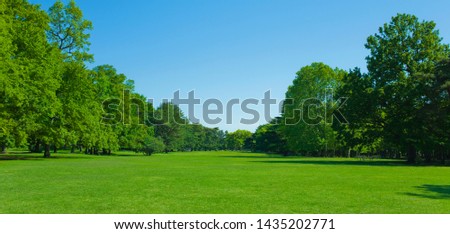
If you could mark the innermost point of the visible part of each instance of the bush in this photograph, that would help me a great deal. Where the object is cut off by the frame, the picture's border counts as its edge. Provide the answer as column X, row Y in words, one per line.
column 152, row 145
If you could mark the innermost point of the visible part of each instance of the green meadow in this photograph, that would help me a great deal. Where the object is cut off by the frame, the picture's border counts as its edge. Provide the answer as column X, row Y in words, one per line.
column 217, row 182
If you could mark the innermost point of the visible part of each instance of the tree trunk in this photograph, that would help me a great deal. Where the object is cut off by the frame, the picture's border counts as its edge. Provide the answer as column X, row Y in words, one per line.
column 55, row 149
column 411, row 154
column 37, row 147
column 47, row 151
column 428, row 156
column 3, row 149
column 443, row 156
column 72, row 149
column 398, row 154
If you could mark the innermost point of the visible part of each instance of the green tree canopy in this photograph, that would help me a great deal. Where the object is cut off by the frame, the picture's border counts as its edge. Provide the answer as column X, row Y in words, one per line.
column 305, row 111
column 400, row 50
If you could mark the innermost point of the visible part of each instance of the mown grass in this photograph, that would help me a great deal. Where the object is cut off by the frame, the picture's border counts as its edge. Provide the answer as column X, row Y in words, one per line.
column 217, row 182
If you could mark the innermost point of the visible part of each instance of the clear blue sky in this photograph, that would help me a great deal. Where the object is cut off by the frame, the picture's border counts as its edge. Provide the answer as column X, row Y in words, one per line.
column 236, row 48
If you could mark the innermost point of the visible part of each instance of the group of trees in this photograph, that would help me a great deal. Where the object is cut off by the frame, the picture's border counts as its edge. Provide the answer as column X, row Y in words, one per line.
column 178, row 134
column 49, row 99
column 399, row 108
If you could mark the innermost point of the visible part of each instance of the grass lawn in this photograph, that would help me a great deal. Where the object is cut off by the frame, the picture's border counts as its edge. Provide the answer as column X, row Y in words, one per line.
column 217, row 182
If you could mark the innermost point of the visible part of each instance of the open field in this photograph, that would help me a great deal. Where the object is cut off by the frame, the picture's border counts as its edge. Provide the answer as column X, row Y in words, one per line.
column 217, row 182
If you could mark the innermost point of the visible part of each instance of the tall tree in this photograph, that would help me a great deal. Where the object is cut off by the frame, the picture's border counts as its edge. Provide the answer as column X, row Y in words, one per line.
column 110, row 87
column 80, row 113
column 8, row 93
column 34, row 74
column 433, row 112
column 307, row 125
column 400, row 50
column 81, row 109
column 362, row 133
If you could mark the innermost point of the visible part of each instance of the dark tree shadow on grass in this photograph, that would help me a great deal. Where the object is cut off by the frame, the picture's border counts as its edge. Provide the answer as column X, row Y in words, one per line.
column 18, row 157
column 26, row 155
column 262, row 156
column 33, row 156
column 338, row 163
column 431, row 191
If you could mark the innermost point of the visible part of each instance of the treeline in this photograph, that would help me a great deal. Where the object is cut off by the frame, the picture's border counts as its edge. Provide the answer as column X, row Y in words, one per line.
column 50, row 100
column 399, row 108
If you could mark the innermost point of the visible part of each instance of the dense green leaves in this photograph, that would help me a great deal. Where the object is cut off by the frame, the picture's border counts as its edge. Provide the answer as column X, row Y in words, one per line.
column 31, row 76
column 307, row 126
column 400, row 51
column 239, row 140
column 68, row 31
column 270, row 138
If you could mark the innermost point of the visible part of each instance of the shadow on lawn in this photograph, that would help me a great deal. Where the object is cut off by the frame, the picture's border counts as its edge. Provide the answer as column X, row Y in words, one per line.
column 253, row 157
column 17, row 157
column 26, row 155
column 32, row 156
column 432, row 191
column 338, row 163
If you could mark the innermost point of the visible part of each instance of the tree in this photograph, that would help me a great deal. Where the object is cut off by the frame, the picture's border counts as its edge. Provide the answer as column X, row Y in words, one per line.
column 152, row 145
column 236, row 140
column 67, row 31
column 168, row 120
column 306, row 127
column 434, row 113
column 128, row 128
column 33, row 74
column 213, row 139
column 269, row 138
column 8, row 91
column 362, row 133
column 400, row 50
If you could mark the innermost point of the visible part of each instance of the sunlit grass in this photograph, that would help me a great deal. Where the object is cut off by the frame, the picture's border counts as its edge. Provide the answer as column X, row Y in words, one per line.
column 217, row 182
